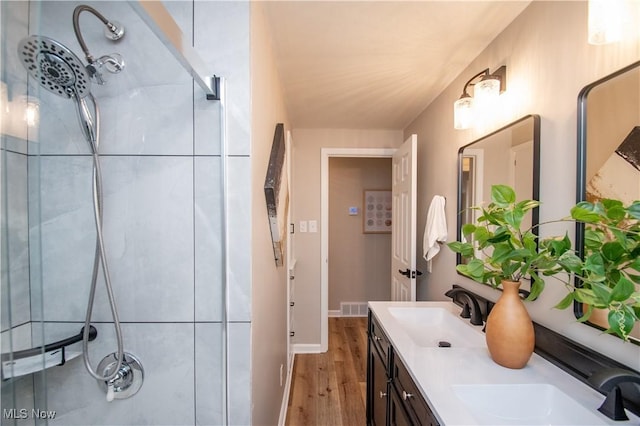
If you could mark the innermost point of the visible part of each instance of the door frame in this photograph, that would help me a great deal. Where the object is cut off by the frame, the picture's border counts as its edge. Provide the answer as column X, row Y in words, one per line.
column 327, row 153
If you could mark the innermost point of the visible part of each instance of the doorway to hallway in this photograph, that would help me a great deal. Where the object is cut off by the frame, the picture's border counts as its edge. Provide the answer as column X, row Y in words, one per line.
column 359, row 242
column 326, row 155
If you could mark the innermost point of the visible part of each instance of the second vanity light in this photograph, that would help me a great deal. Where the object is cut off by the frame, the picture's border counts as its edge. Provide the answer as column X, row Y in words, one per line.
column 487, row 87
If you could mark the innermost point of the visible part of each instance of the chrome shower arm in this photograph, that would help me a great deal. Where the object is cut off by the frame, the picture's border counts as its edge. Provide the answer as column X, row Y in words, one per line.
column 115, row 32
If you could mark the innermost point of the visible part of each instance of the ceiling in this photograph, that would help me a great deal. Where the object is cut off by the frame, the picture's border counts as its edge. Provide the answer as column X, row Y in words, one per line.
column 376, row 64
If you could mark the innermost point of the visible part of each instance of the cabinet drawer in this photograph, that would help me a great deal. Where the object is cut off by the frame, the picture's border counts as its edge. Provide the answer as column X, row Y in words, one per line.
column 379, row 339
column 415, row 405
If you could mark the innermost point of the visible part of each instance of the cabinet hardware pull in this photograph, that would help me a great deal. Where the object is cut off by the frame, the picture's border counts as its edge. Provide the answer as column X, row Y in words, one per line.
column 382, row 394
column 406, row 395
column 376, row 338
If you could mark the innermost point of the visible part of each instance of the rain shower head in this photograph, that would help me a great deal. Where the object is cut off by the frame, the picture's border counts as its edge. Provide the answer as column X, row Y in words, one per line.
column 56, row 68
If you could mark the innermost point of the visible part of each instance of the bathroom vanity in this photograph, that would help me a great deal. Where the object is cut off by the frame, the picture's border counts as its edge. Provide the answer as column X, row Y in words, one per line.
column 428, row 366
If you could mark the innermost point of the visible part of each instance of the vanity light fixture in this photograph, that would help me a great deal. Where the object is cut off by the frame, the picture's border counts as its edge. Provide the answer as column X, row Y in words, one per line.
column 487, row 87
column 605, row 21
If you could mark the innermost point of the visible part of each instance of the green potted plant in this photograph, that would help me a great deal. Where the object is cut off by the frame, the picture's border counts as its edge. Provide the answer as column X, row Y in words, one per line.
column 501, row 252
column 609, row 276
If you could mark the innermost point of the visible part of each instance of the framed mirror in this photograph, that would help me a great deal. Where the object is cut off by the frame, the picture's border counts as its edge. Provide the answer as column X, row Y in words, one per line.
column 508, row 156
column 608, row 152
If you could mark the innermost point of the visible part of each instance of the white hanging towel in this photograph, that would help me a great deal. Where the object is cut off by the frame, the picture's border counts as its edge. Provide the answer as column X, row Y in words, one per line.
column 435, row 231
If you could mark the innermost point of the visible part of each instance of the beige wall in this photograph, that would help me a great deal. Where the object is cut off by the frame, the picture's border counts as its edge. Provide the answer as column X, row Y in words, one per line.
column 269, row 296
column 548, row 62
column 306, row 206
column 359, row 263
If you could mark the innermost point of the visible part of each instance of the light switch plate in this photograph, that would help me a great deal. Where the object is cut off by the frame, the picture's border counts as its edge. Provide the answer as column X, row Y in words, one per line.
column 303, row 226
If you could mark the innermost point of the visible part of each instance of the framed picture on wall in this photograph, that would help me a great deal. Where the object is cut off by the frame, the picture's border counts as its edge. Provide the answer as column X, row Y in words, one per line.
column 376, row 211
column 276, row 193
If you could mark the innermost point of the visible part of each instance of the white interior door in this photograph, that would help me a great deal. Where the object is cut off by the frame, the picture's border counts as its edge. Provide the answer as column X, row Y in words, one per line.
column 403, row 229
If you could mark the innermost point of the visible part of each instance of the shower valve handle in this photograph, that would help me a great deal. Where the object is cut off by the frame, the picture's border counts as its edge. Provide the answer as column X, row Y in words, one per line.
column 110, row 392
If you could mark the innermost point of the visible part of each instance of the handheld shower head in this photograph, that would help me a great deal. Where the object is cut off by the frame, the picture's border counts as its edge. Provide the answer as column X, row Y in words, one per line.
column 56, row 68
column 59, row 70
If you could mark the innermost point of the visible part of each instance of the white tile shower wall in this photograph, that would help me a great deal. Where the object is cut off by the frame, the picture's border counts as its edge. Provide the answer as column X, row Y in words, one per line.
column 161, row 218
column 145, row 109
column 221, row 35
column 208, row 239
column 222, row 38
column 166, row 397
column 239, row 229
column 209, row 368
column 15, row 274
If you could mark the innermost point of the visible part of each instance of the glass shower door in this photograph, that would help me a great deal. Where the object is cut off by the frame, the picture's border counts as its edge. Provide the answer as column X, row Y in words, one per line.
column 161, row 151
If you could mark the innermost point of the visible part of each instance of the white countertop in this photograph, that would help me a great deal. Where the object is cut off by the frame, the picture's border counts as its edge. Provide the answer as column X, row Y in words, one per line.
column 436, row 370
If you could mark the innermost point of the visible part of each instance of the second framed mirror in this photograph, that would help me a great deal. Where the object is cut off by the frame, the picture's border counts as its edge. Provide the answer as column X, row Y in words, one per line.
column 508, row 156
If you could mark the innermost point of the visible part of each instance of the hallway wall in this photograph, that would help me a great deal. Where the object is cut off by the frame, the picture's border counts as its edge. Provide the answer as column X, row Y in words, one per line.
column 269, row 303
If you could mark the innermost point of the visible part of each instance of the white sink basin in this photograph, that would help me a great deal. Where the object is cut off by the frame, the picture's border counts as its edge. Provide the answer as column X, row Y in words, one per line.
column 428, row 326
column 523, row 404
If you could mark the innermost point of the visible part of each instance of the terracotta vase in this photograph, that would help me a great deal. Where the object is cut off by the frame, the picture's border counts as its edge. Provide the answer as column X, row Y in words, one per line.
column 509, row 333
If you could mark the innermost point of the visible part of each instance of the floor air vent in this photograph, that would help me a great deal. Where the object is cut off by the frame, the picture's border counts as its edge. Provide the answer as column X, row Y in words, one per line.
column 353, row 309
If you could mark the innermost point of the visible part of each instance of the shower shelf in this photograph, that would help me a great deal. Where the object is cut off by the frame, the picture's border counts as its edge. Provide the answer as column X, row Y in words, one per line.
column 29, row 361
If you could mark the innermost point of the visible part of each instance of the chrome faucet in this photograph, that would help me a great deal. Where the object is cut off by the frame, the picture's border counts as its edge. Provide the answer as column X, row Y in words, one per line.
column 608, row 381
column 476, row 313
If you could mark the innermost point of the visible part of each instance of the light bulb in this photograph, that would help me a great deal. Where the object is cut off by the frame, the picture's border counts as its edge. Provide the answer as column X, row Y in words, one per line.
column 486, row 91
column 605, row 21
column 463, row 113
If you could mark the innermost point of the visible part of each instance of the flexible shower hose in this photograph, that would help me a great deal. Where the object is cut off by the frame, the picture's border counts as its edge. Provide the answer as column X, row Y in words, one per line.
column 91, row 132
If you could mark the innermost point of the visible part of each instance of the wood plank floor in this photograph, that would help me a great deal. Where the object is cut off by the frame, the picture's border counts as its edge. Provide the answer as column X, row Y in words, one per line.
column 330, row 388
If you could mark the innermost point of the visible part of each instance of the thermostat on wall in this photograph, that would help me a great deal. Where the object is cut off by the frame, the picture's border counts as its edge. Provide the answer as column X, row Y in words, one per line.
column 353, row 211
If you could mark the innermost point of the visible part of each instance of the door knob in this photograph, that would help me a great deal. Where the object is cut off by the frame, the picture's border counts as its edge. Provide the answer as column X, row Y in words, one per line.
column 382, row 394
column 406, row 273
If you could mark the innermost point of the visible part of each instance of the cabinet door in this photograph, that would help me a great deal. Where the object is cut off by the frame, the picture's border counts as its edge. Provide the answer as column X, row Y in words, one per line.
column 416, row 407
column 397, row 414
column 377, row 389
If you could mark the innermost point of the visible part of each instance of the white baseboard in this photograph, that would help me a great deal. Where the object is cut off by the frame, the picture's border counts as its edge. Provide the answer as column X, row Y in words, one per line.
column 307, row 348
column 334, row 313
column 287, row 390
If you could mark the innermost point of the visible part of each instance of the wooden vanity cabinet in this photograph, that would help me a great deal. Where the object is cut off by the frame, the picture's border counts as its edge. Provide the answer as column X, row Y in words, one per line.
column 392, row 396
column 378, row 356
column 412, row 401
